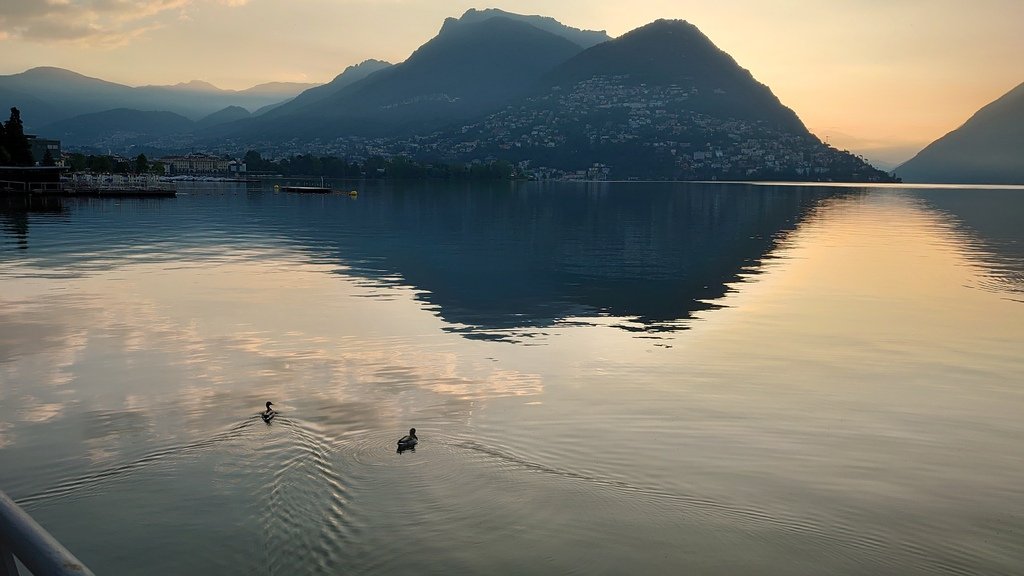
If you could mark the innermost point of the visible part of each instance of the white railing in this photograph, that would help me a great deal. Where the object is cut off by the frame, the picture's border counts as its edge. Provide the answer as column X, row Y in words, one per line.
column 22, row 538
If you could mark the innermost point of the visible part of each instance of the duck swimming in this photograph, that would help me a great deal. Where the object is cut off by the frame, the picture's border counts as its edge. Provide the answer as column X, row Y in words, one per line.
column 409, row 441
column 269, row 413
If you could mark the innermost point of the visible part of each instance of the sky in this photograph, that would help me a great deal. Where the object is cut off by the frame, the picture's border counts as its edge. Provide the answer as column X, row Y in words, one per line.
column 879, row 77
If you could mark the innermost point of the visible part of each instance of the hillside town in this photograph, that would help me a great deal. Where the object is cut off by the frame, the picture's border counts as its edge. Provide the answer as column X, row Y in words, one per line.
column 602, row 128
column 609, row 128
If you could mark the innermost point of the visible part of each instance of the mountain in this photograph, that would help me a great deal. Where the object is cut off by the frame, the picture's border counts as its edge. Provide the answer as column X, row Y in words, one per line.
column 229, row 114
column 46, row 95
column 583, row 38
column 278, row 89
column 464, row 71
column 191, row 86
column 675, row 52
column 197, row 99
column 117, row 129
column 661, row 102
column 57, row 94
column 121, row 129
column 350, row 75
column 987, row 149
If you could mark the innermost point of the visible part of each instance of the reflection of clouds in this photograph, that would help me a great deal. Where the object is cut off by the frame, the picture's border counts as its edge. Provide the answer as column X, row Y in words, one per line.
column 146, row 345
column 110, row 423
column 99, row 454
column 5, row 437
column 23, row 332
column 36, row 343
column 106, row 431
column 387, row 362
column 37, row 412
column 498, row 383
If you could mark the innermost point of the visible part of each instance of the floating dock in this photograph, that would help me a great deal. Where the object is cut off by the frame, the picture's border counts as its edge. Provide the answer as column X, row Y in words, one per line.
column 117, row 186
column 308, row 189
column 315, row 190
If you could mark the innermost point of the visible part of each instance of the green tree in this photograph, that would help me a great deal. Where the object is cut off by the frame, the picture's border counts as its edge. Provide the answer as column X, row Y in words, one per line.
column 253, row 161
column 141, row 164
column 48, row 159
column 16, row 142
column 77, row 162
column 100, row 164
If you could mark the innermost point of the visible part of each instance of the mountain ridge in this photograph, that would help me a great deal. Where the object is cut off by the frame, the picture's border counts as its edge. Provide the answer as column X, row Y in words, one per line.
column 117, row 128
column 583, row 38
column 48, row 94
column 661, row 101
column 347, row 77
column 986, row 149
column 461, row 72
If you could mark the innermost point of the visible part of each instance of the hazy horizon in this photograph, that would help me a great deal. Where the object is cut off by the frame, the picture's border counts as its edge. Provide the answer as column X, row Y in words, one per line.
column 881, row 80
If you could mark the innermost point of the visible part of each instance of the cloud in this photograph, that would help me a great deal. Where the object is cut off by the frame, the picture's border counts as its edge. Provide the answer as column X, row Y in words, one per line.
column 103, row 23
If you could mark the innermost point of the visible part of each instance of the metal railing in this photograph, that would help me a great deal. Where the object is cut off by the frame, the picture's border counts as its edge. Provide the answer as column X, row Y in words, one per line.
column 22, row 187
column 22, row 538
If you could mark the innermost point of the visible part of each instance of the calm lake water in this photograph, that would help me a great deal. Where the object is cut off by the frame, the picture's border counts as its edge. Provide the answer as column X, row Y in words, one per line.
column 605, row 378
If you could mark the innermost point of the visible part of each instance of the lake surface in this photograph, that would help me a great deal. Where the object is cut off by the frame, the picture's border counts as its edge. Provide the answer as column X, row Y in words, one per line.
column 605, row 379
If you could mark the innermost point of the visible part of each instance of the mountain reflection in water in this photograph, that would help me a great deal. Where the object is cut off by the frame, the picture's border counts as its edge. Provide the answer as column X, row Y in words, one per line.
column 496, row 261
column 502, row 261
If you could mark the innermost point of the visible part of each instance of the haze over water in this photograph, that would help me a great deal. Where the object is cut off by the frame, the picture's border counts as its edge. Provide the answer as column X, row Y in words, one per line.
column 605, row 379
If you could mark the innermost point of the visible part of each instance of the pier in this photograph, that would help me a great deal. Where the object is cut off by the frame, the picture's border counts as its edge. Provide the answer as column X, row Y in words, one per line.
column 50, row 181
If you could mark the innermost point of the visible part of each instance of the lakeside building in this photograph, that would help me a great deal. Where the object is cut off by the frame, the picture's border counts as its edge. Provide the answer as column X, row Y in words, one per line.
column 195, row 163
column 40, row 146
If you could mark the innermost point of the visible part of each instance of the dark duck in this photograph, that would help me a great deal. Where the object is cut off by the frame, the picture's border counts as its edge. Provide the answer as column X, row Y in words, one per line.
column 409, row 441
column 269, row 413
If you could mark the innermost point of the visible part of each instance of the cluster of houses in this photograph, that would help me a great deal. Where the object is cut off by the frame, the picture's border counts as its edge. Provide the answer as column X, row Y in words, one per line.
column 608, row 118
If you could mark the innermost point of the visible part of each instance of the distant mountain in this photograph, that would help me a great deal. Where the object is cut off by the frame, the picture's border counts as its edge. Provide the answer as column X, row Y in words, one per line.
column 583, row 38
column 349, row 76
column 201, row 96
column 46, row 95
column 464, row 71
column 229, row 114
column 30, row 107
column 191, row 86
column 987, row 149
column 122, row 128
column 118, row 128
column 279, row 89
column 57, row 94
